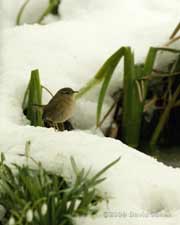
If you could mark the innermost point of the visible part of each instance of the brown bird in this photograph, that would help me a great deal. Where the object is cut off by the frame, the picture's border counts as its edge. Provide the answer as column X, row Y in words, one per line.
column 60, row 108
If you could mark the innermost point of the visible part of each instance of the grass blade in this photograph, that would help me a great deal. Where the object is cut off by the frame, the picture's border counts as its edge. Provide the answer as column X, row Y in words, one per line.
column 102, row 73
column 94, row 179
column 34, row 97
column 108, row 72
column 52, row 7
column 18, row 19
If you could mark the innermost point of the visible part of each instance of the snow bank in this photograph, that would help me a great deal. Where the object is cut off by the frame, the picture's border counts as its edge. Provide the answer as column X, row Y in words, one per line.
column 138, row 187
column 68, row 53
column 138, row 10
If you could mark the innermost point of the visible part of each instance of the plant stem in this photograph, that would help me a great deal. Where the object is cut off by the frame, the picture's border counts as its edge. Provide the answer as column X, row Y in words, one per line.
column 18, row 19
column 25, row 97
column 157, row 76
column 164, row 117
column 45, row 88
column 132, row 104
column 175, row 31
column 45, row 13
column 172, row 41
column 34, row 97
column 104, row 72
column 167, row 49
column 93, row 82
column 107, row 114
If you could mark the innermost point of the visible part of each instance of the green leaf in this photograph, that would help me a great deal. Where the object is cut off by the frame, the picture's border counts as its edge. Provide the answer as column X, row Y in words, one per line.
column 18, row 19
column 107, row 69
column 34, row 97
column 2, row 157
column 107, row 72
column 28, row 189
column 104, row 170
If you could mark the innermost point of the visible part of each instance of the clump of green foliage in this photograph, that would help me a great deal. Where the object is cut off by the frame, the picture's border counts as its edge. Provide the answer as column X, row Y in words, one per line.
column 135, row 89
column 35, row 196
column 135, row 98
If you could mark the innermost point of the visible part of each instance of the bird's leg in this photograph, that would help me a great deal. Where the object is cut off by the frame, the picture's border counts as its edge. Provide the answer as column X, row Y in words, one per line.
column 61, row 126
column 55, row 125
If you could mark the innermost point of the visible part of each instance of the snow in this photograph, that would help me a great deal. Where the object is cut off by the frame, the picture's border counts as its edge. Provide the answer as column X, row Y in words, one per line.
column 69, row 53
column 10, row 9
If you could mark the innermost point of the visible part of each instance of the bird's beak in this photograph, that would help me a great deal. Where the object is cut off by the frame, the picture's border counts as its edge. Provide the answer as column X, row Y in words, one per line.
column 76, row 91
